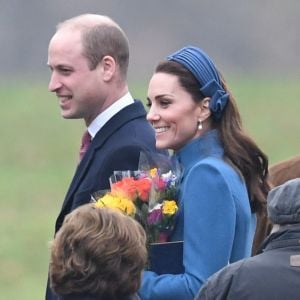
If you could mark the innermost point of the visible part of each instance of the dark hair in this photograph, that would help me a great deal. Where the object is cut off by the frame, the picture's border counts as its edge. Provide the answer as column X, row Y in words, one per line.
column 106, row 39
column 98, row 252
column 239, row 148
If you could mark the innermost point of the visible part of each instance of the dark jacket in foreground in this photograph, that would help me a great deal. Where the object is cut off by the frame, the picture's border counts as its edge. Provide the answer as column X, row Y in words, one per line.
column 271, row 275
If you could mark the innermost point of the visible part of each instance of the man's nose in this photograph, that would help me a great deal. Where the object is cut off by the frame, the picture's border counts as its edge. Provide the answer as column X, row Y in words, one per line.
column 54, row 83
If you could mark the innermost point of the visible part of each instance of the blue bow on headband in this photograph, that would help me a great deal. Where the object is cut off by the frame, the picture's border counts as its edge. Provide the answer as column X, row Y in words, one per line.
column 202, row 67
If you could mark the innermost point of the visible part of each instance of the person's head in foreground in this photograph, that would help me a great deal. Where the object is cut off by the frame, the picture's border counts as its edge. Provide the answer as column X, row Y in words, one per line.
column 187, row 99
column 98, row 252
column 284, row 204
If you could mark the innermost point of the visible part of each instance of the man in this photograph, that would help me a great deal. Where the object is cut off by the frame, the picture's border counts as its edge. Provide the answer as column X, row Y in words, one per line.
column 88, row 57
column 274, row 273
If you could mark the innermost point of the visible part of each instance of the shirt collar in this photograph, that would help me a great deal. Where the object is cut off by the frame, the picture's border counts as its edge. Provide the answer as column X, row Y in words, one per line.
column 107, row 114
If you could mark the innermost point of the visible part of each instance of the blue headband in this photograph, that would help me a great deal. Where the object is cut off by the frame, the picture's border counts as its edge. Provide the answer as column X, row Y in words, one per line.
column 202, row 67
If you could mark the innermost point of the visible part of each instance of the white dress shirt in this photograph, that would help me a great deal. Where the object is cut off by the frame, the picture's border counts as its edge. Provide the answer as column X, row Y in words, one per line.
column 107, row 114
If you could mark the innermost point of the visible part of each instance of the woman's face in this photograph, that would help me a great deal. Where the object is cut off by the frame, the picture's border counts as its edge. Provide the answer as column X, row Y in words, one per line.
column 172, row 112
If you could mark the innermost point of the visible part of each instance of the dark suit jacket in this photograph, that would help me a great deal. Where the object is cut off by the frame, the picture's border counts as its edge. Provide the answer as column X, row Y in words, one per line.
column 116, row 146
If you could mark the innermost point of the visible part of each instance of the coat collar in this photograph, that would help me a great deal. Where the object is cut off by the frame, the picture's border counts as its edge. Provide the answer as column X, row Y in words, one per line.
column 285, row 237
column 206, row 145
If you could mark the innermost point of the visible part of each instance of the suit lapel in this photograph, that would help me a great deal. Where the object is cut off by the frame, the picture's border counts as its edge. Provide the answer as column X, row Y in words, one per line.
column 130, row 112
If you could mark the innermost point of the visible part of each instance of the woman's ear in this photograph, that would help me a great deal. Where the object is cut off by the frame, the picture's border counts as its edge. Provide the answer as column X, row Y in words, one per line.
column 108, row 68
column 204, row 109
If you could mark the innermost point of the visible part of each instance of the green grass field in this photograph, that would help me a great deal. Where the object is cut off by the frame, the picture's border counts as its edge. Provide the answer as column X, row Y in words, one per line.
column 39, row 153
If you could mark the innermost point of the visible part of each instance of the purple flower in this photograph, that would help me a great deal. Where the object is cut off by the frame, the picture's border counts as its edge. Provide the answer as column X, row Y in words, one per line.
column 155, row 215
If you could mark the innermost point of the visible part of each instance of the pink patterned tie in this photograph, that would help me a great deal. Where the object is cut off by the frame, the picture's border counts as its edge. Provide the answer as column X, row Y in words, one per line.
column 85, row 143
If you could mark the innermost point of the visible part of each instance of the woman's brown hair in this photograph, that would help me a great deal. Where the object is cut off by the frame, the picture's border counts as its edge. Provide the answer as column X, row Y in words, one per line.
column 239, row 149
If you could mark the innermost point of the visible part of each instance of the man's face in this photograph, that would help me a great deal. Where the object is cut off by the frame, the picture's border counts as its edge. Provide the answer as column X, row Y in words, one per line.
column 80, row 91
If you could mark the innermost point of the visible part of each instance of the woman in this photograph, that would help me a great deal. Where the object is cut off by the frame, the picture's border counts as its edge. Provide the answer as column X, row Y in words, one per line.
column 98, row 254
column 224, row 172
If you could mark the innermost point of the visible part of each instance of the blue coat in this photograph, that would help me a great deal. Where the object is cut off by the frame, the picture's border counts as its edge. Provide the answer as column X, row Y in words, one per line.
column 116, row 146
column 215, row 220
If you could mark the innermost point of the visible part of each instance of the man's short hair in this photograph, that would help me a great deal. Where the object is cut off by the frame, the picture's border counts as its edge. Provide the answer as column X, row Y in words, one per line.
column 101, row 36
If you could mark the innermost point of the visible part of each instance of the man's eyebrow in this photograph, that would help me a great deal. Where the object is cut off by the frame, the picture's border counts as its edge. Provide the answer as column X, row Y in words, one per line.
column 59, row 66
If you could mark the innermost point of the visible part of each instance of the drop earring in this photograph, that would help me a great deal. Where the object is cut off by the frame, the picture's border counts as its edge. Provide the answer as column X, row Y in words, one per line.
column 200, row 125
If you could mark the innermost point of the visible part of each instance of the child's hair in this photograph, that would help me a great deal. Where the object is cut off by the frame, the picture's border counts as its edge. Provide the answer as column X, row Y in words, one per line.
column 99, row 252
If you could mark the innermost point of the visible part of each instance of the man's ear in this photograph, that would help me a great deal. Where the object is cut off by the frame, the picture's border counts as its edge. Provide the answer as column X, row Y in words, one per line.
column 108, row 67
column 204, row 109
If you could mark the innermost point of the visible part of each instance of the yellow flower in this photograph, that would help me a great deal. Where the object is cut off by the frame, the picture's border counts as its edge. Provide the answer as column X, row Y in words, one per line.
column 153, row 172
column 118, row 202
column 169, row 207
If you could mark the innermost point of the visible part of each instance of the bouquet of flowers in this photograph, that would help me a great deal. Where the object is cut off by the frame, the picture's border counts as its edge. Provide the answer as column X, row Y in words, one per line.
column 162, row 205
column 148, row 194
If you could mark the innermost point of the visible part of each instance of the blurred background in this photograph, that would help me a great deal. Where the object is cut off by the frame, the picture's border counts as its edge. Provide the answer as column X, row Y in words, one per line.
column 258, row 36
column 255, row 44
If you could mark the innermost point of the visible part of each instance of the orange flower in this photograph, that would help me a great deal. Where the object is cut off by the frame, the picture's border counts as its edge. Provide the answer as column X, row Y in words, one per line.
column 132, row 188
column 125, row 187
column 143, row 186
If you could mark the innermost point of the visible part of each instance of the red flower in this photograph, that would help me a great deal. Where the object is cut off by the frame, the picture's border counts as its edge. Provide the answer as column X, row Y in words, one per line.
column 133, row 188
column 125, row 187
column 143, row 186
